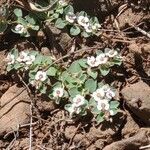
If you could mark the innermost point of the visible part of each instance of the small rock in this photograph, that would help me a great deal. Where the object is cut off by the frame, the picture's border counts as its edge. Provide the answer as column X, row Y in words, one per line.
column 14, row 109
column 137, row 97
column 132, row 143
column 130, row 128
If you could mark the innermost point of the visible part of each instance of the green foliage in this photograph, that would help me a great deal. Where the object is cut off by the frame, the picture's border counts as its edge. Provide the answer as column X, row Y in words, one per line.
column 3, row 18
column 60, row 23
column 24, row 25
column 75, row 30
column 78, row 84
column 74, row 83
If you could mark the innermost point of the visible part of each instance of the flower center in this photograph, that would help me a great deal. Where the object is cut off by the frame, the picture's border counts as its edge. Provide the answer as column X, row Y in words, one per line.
column 58, row 92
column 40, row 76
column 98, row 95
column 103, row 106
column 78, row 101
column 21, row 56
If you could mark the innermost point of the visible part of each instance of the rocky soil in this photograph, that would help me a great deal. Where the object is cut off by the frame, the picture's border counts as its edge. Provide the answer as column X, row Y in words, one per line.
column 52, row 129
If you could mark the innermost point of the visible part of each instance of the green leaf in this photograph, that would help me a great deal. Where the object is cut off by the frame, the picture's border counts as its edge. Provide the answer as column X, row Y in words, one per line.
column 92, row 73
column 73, row 92
column 85, row 34
column 51, row 71
column 82, row 13
column 94, row 20
column 43, row 89
column 36, row 28
column 68, row 9
column 92, row 102
column 47, row 60
column 100, row 118
column 17, row 66
column 83, row 63
column 114, row 104
column 9, row 68
column 75, row 67
column 30, row 18
column 91, row 85
column 57, row 84
column 95, row 110
column 60, row 10
column 3, row 26
column 117, row 61
column 38, row 59
column 83, row 77
column 98, row 52
column 101, row 84
column 22, row 21
column 54, row 16
column 18, row 12
column 14, row 51
column 60, row 23
column 32, row 75
column 104, row 70
column 75, row 30
column 64, row 76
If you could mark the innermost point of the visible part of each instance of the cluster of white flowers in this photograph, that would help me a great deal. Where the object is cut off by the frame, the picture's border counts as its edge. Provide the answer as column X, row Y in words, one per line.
column 103, row 96
column 82, row 21
column 102, row 58
column 78, row 102
column 23, row 58
column 85, row 23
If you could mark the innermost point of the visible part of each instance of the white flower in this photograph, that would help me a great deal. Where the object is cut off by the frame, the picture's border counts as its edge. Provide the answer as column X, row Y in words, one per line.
column 62, row 2
column 111, row 53
column 10, row 59
column 41, row 75
column 20, row 29
column 83, row 21
column 70, row 17
column 58, row 92
column 98, row 94
column 101, row 59
column 110, row 94
column 74, row 109
column 91, row 61
column 88, row 29
column 30, row 59
column 22, row 57
column 103, row 104
column 96, row 26
column 78, row 100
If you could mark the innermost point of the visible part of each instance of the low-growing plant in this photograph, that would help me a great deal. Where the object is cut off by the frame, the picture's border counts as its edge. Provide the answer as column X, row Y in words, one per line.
column 78, row 84
column 24, row 25
column 80, row 23
column 62, row 16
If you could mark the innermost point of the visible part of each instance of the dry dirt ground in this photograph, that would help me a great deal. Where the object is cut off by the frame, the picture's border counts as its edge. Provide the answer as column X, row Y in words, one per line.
column 51, row 127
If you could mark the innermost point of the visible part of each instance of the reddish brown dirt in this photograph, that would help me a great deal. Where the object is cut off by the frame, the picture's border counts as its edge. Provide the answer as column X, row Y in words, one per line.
column 52, row 127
